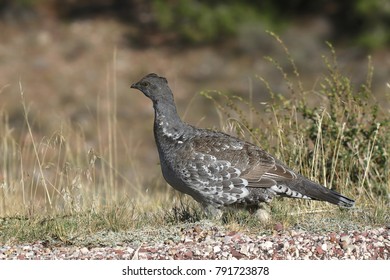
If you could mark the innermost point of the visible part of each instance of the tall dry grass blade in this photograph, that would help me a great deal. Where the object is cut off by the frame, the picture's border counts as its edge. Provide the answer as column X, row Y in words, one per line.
column 115, row 110
column 110, row 135
column 369, row 157
column 292, row 62
column 43, row 178
column 336, row 152
column 318, row 148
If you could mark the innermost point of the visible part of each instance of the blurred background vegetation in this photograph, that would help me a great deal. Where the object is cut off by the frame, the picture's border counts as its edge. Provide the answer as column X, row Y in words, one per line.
column 362, row 22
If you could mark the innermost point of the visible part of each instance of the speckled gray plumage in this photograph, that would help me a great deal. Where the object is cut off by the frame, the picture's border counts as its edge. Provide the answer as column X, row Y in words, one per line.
column 217, row 169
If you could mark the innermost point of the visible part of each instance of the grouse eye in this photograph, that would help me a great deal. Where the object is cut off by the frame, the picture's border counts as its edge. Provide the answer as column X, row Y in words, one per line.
column 144, row 84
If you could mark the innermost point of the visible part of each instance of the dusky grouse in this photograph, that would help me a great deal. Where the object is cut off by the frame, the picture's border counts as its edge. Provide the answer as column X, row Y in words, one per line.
column 217, row 169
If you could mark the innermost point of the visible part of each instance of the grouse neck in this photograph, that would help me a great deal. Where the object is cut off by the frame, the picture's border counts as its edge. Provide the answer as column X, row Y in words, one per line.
column 167, row 122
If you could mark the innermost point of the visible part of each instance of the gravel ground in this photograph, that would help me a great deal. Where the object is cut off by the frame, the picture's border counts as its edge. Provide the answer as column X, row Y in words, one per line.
column 204, row 241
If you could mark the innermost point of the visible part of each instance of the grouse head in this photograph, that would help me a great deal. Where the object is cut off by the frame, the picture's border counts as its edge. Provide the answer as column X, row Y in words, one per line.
column 154, row 87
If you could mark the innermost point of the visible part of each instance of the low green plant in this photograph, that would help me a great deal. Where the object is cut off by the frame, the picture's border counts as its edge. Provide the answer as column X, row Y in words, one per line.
column 201, row 22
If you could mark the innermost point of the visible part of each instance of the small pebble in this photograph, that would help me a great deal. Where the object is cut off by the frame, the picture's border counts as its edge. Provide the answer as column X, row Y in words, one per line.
column 244, row 249
column 84, row 250
column 267, row 245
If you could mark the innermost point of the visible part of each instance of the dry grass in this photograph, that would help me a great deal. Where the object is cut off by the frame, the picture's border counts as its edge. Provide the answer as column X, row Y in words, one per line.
column 58, row 188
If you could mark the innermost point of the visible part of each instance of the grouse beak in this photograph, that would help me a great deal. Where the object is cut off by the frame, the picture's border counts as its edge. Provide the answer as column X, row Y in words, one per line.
column 135, row 85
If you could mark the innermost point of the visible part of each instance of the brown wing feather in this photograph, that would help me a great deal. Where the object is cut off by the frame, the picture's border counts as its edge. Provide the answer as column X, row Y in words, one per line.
column 252, row 161
column 260, row 177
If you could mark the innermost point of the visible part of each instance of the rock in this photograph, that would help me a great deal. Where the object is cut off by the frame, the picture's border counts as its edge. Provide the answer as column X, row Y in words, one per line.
column 227, row 239
column 188, row 240
column 278, row 227
column 345, row 241
column 30, row 254
column 244, row 249
column 332, row 237
column 188, row 254
column 27, row 248
column 236, row 254
column 197, row 252
column 216, row 249
column 84, row 250
column 319, row 250
column 350, row 249
column 130, row 250
column 263, row 215
column 267, row 245
column 286, row 245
